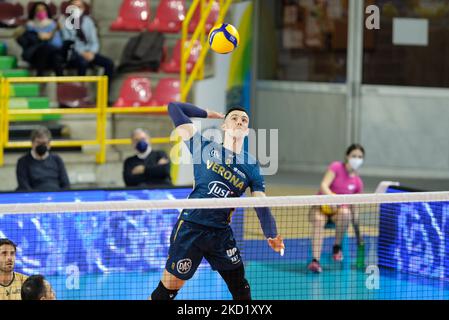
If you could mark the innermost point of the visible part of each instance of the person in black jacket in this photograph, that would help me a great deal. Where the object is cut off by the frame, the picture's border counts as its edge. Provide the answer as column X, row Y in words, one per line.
column 40, row 170
column 41, row 41
column 148, row 167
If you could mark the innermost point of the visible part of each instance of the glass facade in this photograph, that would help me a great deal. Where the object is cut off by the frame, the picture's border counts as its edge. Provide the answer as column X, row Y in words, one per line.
column 412, row 45
column 306, row 39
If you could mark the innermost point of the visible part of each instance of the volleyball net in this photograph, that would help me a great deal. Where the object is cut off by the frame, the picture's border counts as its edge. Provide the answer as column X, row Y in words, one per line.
column 394, row 246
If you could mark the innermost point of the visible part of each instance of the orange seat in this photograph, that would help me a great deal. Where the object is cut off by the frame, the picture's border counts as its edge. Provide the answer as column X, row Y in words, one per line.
column 169, row 16
column 211, row 19
column 168, row 89
column 73, row 95
column 11, row 14
column 174, row 64
column 133, row 16
column 135, row 92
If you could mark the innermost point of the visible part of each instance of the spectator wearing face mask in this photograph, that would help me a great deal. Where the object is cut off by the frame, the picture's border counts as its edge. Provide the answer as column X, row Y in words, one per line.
column 41, row 42
column 40, row 170
column 148, row 167
column 86, row 43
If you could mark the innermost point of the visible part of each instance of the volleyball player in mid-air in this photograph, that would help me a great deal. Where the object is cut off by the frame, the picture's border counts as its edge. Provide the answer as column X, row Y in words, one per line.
column 219, row 171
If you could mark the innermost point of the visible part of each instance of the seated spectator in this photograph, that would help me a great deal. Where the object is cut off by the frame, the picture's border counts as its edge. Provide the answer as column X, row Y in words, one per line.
column 41, row 41
column 37, row 288
column 148, row 167
column 86, row 44
column 10, row 281
column 40, row 170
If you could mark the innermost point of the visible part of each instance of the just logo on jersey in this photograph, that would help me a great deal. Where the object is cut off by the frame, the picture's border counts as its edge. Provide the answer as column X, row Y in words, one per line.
column 217, row 179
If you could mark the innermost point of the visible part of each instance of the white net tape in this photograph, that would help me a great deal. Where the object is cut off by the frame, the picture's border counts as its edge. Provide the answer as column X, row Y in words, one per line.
column 245, row 202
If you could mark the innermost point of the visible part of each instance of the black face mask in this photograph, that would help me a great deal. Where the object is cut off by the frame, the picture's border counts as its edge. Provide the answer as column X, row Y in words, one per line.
column 142, row 146
column 41, row 149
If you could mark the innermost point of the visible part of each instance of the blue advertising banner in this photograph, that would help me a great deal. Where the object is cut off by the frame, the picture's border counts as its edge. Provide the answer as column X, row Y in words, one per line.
column 414, row 237
column 95, row 242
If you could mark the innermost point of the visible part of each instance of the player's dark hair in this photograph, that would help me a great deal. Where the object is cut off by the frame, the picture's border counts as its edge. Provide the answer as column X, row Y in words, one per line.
column 7, row 242
column 355, row 146
column 33, row 288
column 33, row 10
column 235, row 109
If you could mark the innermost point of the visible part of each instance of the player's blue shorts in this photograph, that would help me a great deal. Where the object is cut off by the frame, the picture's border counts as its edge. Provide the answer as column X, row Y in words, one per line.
column 190, row 242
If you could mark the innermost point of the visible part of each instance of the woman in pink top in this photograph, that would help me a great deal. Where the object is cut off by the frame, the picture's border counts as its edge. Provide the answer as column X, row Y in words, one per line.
column 340, row 178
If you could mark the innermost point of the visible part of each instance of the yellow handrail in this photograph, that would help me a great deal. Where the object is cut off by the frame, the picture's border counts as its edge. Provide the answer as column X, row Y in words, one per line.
column 53, row 79
column 199, row 33
column 101, row 111
column 98, row 110
column 2, row 115
column 125, row 110
column 162, row 140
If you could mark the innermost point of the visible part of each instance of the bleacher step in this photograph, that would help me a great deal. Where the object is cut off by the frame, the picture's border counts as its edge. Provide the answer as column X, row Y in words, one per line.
column 7, row 62
column 31, row 103
column 2, row 49
column 21, row 90
column 9, row 73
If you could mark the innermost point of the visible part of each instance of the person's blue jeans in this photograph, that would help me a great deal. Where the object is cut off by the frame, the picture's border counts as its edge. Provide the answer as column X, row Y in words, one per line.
column 77, row 61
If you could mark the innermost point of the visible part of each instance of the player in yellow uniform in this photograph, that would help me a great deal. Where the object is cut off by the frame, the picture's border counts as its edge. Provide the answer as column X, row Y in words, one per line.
column 10, row 281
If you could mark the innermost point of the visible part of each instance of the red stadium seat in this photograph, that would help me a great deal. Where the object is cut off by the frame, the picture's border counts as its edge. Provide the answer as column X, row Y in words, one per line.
column 11, row 14
column 210, row 22
column 169, row 16
column 168, row 89
column 133, row 16
column 65, row 4
column 174, row 64
column 51, row 5
column 135, row 92
column 73, row 95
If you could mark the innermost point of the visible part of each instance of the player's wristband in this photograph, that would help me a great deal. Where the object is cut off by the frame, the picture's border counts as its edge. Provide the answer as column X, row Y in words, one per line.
column 181, row 113
column 267, row 222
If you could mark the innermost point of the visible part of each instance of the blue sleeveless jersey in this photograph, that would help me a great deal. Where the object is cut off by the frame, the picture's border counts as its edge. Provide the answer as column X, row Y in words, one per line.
column 219, row 173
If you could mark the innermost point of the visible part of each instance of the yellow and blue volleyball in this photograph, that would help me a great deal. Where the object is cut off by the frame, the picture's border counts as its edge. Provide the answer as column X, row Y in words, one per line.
column 327, row 210
column 224, row 38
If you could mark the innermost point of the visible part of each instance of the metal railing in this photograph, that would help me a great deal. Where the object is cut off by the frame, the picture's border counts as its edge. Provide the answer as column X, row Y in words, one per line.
column 199, row 34
column 101, row 112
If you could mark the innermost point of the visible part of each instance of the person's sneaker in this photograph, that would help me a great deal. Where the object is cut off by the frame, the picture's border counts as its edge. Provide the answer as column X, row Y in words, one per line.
column 315, row 266
column 337, row 253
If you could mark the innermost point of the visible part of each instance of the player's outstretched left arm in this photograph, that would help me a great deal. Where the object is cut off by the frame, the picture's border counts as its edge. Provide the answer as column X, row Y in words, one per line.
column 268, row 224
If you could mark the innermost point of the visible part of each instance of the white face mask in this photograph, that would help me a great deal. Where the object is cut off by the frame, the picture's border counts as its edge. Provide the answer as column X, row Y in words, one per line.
column 355, row 163
column 143, row 155
column 77, row 12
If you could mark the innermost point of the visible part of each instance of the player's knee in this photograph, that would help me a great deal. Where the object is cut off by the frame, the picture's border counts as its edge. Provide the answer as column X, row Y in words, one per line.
column 318, row 218
column 344, row 214
column 237, row 284
column 162, row 293
column 241, row 290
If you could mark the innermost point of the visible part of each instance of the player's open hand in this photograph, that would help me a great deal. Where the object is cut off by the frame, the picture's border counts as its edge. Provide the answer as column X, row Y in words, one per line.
column 277, row 244
column 214, row 115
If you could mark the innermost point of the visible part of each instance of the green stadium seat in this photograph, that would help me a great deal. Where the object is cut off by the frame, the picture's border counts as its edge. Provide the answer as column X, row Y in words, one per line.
column 21, row 90
column 9, row 73
column 31, row 103
column 7, row 62
column 2, row 49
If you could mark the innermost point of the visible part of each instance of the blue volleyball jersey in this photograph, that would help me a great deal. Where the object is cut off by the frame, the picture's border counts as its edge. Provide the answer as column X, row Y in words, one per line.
column 219, row 173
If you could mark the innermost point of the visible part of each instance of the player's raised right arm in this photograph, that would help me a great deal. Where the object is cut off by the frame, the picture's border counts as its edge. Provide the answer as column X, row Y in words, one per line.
column 181, row 113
